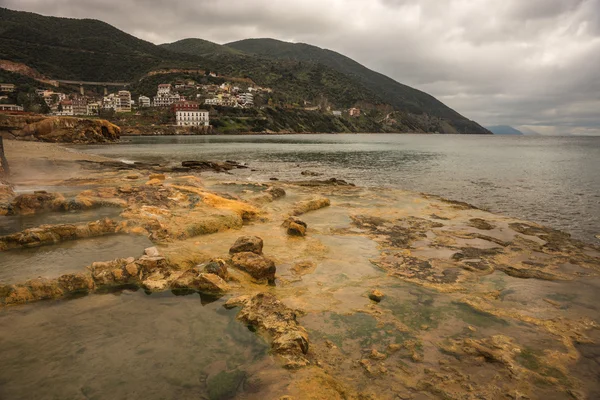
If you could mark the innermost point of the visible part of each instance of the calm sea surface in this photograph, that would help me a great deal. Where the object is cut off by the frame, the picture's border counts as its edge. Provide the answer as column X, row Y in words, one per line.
column 551, row 180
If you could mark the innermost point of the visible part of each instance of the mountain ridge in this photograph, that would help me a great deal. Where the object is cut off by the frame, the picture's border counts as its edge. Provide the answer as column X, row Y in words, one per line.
column 504, row 130
column 92, row 50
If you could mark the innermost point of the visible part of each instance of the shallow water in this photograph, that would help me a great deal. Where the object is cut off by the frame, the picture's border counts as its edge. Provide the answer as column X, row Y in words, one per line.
column 125, row 346
column 72, row 256
column 17, row 223
column 551, row 180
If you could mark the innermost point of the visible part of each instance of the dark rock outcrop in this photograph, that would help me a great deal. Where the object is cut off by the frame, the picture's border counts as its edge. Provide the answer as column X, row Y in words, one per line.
column 217, row 166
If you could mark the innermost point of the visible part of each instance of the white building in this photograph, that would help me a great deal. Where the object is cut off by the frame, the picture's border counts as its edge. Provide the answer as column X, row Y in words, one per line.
column 124, row 103
column 110, row 101
column 10, row 107
column 246, row 99
column 337, row 113
column 143, row 101
column 93, row 108
column 166, row 100
column 192, row 118
column 7, row 87
column 215, row 101
column 163, row 89
column 164, row 97
column 65, row 107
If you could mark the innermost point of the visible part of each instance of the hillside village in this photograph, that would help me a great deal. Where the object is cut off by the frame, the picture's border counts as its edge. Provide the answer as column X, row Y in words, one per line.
column 186, row 102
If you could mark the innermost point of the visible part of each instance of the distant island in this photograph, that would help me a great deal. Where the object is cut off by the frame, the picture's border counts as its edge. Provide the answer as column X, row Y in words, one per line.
column 503, row 130
column 66, row 66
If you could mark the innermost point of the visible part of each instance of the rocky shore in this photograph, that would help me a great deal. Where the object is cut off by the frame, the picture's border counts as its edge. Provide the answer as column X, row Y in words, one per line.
column 360, row 293
column 57, row 129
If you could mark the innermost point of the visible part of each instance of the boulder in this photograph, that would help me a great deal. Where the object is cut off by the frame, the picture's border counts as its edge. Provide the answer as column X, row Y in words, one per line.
column 258, row 266
column 193, row 279
column 252, row 244
column 376, row 295
column 217, row 267
column 212, row 283
column 295, row 226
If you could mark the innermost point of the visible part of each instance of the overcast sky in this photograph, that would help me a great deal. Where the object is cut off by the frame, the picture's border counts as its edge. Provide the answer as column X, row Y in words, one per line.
column 532, row 64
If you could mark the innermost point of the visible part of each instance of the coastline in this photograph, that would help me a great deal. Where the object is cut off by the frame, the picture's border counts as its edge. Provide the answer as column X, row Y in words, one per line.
column 458, row 288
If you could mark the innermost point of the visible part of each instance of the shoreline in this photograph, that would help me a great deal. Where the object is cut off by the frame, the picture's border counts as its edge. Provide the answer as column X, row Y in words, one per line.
column 354, row 284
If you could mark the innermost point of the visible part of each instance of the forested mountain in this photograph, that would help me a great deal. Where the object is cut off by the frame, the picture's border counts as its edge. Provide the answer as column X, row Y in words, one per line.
column 91, row 50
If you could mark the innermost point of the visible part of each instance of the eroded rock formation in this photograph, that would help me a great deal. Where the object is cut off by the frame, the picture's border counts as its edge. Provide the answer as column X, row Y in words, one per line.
column 58, row 129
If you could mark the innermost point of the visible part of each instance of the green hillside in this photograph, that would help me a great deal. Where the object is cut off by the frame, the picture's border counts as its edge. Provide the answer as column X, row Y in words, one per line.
column 81, row 49
column 73, row 49
column 400, row 96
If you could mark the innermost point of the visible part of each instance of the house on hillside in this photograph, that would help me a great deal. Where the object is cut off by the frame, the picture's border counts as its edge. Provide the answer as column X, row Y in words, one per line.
column 79, row 105
column 247, row 99
column 93, row 108
column 65, row 107
column 354, row 112
column 163, row 89
column 10, row 107
column 143, row 101
column 337, row 113
column 124, row 104
column 164, row 97
column 188, row 114
column 7, row 87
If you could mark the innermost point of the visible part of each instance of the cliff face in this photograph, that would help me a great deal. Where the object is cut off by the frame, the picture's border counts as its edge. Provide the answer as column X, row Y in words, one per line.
column 57, row 129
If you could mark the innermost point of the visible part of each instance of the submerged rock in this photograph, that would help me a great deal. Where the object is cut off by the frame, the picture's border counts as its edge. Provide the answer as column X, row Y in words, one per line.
column 327, row 182
column 481, row 224
column 304, row 267
column 46, row 289
column 278, row 322
column 316, row 203
column 51, row 234
column 310, row 173
column 216, row 166
column 225, row 384
column 252, row 244
column 257, row 265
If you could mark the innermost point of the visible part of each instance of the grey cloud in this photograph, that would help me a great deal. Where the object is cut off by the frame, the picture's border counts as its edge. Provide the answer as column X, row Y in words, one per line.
column 522, row 63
